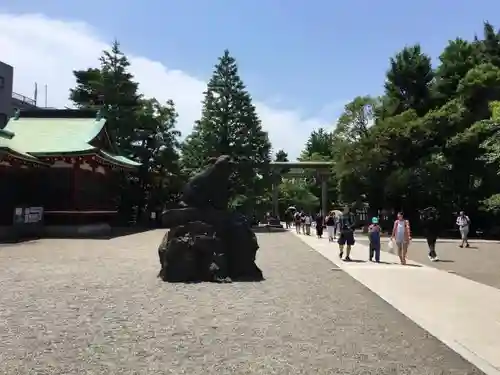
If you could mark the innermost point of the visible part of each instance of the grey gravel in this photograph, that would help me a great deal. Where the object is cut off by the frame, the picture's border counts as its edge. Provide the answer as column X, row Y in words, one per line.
column 96, row 307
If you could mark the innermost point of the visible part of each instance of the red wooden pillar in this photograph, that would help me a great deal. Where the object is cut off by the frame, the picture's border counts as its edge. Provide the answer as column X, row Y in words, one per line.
column 76, row 181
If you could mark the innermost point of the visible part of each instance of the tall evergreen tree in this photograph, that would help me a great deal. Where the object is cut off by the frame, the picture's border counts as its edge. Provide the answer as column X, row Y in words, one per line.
column 111, row 89
column 230, row 125
column 281, row 155
column 408, row 82
column 143, row 129
column 457, row 59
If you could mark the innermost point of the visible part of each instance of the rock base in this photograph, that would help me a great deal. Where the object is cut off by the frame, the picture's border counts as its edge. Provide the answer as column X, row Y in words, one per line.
column 206, row 245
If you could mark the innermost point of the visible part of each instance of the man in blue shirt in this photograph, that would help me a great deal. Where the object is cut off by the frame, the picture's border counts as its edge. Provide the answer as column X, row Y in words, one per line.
column 346, row 223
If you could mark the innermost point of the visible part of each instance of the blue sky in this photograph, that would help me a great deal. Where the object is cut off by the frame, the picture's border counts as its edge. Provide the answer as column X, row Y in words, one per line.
column 301, row 54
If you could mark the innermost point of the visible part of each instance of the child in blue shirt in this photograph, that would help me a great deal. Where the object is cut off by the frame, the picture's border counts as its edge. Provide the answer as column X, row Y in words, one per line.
column 374, row 235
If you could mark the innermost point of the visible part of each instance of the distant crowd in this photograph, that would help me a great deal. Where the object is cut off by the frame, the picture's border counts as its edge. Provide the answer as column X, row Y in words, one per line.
column 340, row 227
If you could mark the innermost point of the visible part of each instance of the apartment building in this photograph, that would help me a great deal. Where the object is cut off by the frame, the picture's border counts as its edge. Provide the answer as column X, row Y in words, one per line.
column 6, row 83
column 10, row 100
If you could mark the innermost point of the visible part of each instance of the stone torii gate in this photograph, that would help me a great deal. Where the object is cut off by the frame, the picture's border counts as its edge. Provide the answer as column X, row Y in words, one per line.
column 296, row 169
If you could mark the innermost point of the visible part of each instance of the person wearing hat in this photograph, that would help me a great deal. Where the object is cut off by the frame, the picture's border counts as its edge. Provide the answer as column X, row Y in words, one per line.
column 374, row 235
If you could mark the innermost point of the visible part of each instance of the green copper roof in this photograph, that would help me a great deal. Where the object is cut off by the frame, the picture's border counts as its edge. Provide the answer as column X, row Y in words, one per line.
column 5, row 145
column 120, row 160
column 45, row 136
column 33, row 137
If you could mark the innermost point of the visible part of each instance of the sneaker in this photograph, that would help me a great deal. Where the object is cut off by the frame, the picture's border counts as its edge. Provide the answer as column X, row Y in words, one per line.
column 347, row 259
column 436, row 259
column 341, row 254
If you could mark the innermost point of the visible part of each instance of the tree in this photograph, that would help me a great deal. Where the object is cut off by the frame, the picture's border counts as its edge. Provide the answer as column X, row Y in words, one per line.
column 112, row 90
column 281, row 155
column 458, row 57
column 295, row 192
column 408, row 82
column 357, row 117
column 318, row 146
column 489, row 46
column 433, row 136
column 143, row 129
column 156, row 145
column 230, row 125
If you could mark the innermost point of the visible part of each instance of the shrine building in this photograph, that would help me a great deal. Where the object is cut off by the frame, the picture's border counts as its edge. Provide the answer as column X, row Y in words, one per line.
column 62, row 162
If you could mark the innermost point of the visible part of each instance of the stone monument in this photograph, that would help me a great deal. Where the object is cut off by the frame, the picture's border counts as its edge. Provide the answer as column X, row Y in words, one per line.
column 207, row 242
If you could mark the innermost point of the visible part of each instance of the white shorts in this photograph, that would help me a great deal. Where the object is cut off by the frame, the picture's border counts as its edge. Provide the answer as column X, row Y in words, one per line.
column 331, row 230
column 464, row 232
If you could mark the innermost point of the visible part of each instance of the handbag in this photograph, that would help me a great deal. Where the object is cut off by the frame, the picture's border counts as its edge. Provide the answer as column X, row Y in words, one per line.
column 390, row 244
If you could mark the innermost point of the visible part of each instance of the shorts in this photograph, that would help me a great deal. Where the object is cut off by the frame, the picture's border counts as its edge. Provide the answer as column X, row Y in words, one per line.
column 346, row 238
column 464, row 232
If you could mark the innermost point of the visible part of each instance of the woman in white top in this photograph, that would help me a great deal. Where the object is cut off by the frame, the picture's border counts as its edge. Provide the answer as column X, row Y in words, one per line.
column 463, row 223
column 401, row 236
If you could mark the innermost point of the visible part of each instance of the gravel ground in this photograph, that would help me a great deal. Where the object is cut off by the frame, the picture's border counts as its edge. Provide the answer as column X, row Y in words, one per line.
column 96, row 307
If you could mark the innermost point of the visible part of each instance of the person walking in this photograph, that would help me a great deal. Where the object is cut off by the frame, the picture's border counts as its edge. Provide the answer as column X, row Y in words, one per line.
column 463, row 223
column 320, row 222
column 307, row 223
column 401, row 236
column 346, row 236
column 336, row 217
column 330, row 226
column 374, row 236
column 430, row 224
column 296, row 219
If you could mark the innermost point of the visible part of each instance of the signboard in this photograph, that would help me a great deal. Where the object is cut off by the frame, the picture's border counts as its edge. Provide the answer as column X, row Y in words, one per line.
column 28, row 215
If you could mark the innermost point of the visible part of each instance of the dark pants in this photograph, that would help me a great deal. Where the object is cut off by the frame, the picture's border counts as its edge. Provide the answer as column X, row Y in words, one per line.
column 375, row 251
column 431, row 242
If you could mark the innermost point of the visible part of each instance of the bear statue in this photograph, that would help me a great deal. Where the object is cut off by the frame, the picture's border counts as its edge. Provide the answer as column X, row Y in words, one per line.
column 210, row 187
column 206, row 241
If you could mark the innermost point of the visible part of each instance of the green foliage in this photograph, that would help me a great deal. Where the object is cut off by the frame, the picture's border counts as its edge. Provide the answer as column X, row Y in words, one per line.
column 142, row 129
column 295, row 192
column 432, row 139
column 409, row 81
column 229, row 125
column 281, row 155
column 318, row 146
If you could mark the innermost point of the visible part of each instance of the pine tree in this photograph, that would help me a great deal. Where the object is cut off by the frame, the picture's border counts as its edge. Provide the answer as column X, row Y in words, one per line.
column 230, row 125
column 143, row 129
column 112, row 90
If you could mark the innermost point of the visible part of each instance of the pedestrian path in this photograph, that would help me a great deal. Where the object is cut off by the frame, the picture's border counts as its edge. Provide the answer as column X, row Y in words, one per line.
column 463, row 314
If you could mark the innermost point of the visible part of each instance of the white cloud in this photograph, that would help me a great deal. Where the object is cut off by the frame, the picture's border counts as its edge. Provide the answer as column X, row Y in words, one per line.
column 46, row 51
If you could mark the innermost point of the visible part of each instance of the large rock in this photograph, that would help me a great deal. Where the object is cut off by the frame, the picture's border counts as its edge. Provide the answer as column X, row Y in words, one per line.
column 221, row 250
column 192, row 252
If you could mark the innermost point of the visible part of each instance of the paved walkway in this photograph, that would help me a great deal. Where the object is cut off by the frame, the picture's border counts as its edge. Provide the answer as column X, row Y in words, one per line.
column 462, row 313
column 96, row 307
column 480, row 262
